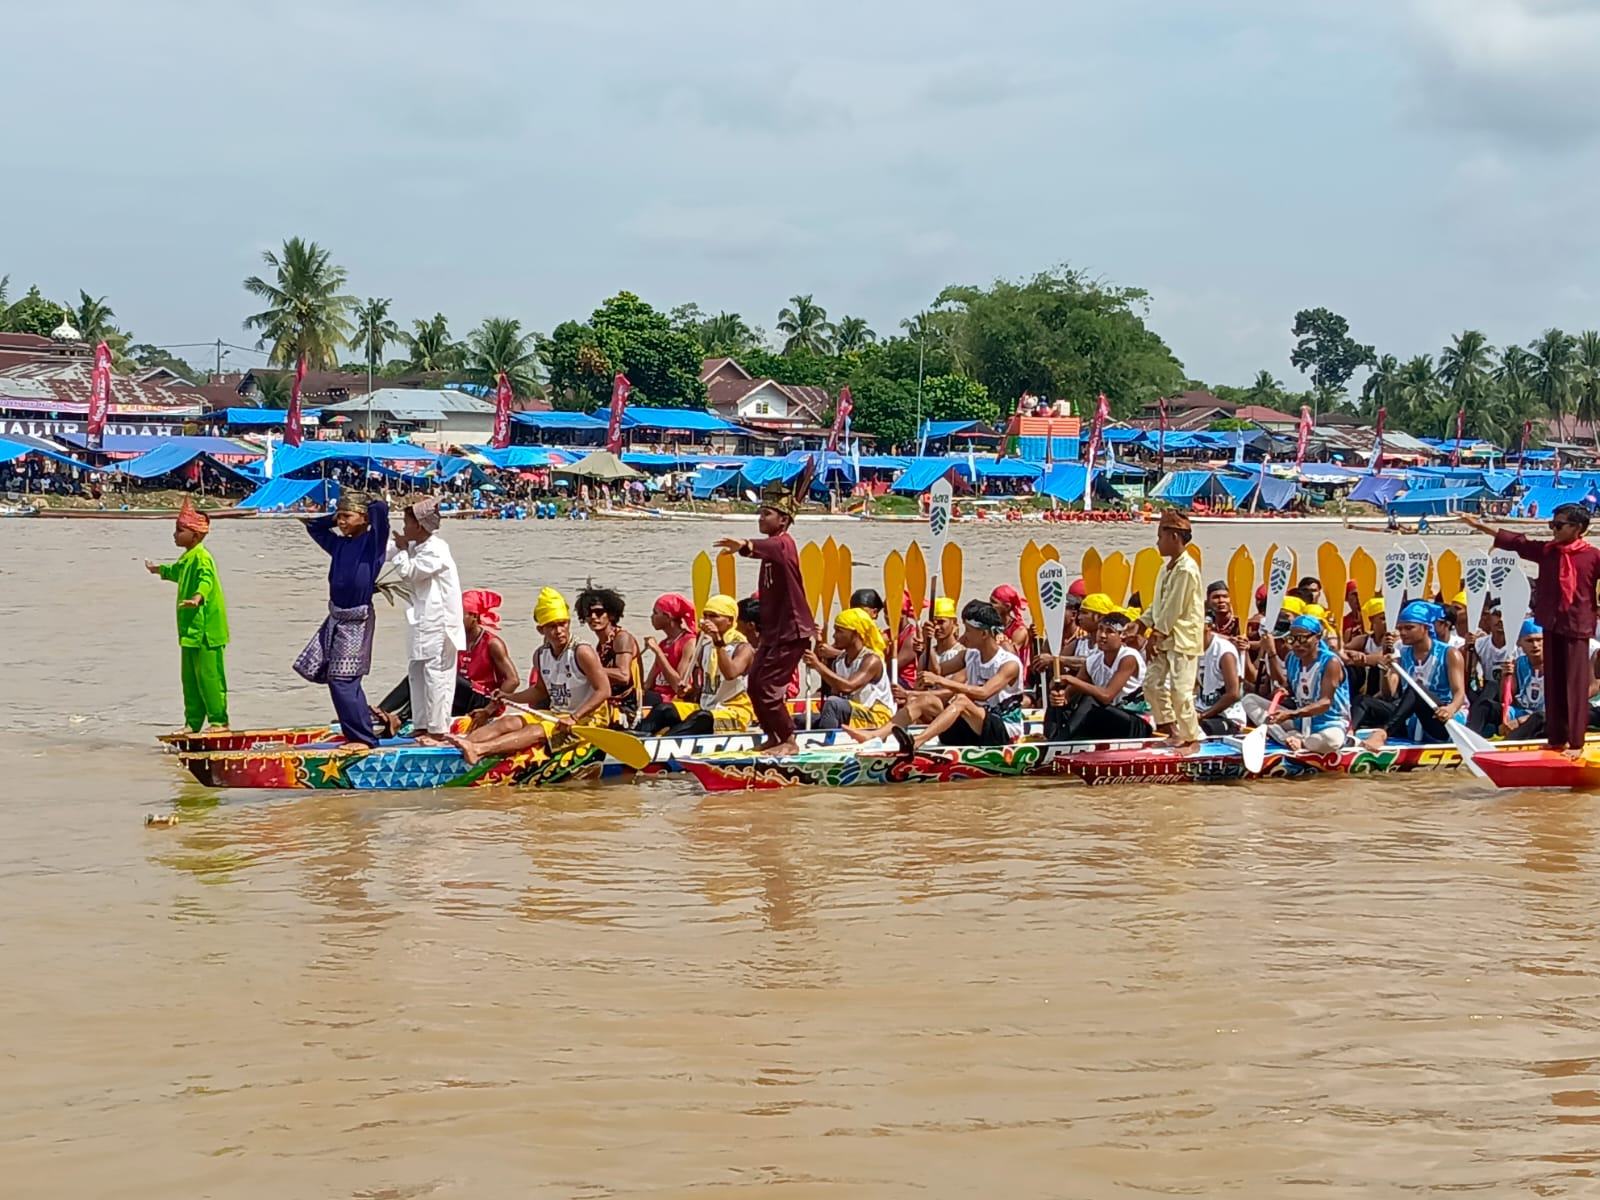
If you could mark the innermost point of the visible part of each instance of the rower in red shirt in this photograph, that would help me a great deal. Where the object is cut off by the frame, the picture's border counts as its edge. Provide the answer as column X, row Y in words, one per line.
column 787, row 627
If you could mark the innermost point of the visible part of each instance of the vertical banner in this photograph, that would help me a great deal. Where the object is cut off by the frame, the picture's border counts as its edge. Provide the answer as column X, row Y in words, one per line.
column 502, row 413
column 620, row 390
column 291, row 425
column 1304, row 438
column 1377, row 443
column 1461, row 422
column 99, row 397
column 841, row 414
column 1161, row 439
column 1522, row 455
column 1097, row 426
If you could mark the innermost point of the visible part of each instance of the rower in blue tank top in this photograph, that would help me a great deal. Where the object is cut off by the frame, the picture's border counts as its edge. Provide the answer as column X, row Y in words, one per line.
column 1305, row 684
column 1440, row 670
column 1316, row 718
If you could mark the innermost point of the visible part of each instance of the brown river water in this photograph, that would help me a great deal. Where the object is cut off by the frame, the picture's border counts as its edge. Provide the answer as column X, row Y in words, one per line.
column 1383, row 988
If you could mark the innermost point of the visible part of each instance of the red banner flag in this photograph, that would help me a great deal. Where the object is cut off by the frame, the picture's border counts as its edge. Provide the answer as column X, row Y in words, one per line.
column 841, row 414
column 1377, row 443
column 1161, row 437
column 99, row 397
column 291, row 424
column 620, row 389
column 1522, row 456
column 1455, row 452
column 1304, row 438
column 502, row 413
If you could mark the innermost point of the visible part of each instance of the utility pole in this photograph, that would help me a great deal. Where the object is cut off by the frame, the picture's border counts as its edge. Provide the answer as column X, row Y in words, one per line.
column 218, row 374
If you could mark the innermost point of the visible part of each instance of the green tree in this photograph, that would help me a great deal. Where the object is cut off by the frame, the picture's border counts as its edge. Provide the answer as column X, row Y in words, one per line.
column 499, row 345
column 1419, row 397
column 430, row 346
column 5, row 287
column 93, row 318
column 374, row 331
column 725, row 334
column 143, row 354
column 1326, row 351
column 1586, row 378
column 1381, row 386
column 624, row 334
column 1264, row 391
column 1552, row 372
column 274, row 389
column 33, row 314
column 307, row 311
column 852, row 333
column 805, row 328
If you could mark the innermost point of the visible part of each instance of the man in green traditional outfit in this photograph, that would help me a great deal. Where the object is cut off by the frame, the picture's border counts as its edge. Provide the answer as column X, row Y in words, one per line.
column 202, row 621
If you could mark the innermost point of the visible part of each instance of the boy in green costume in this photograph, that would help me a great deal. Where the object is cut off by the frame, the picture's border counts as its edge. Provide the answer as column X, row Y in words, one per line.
column 202, row 621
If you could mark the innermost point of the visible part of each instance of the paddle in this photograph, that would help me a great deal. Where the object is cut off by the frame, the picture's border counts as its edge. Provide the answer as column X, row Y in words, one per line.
column 1515, row 598
column 1050, row 552
column 728, row 574
column 1050, row 582
column 844, row 572
column 1394, row 583
column 1241, row 585
column 1475, row 578
column 950, row 566
column 916, row 580
column 701, row 574
column 939, row 497
column 1146, row 565
column 616, row 743
column 1253, row 746
column 1193, row 551
column 1450, row 575
column 1114, row 573
column 811, row 575
column 830, row 578
column 1365, row 572
column 1418, row 563
column 1279, row 572
column 1028, row 569
column 1331, row 570
column 1091, row 572
column 894, row 584
column 1467, row 743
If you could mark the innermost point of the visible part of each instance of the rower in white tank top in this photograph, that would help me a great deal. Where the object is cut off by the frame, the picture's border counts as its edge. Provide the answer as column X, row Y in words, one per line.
column 564, row 679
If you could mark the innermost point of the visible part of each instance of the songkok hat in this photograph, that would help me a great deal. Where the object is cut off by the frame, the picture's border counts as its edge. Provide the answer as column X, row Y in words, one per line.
column 1173, row 519
column 722, row 605
column 426, row 511
column 944, row 609
column 550, row 608
column 193, row 520
column 1098, row 602
column 351, row 501
column 859, row 622
column 778, row 498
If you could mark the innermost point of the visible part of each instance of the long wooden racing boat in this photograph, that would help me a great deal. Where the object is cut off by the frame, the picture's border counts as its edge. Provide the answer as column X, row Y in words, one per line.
column 1218, row 761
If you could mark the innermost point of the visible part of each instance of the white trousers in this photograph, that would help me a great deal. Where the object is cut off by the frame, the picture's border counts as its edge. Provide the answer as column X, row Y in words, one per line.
column 1327, row 741
column 433, row 691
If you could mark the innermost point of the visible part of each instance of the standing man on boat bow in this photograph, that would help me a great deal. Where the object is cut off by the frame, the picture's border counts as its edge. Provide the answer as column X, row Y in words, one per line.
column 356, row 537
column 1564, row 607
column 433, row 618
column 1176, row 620
column 787, row 626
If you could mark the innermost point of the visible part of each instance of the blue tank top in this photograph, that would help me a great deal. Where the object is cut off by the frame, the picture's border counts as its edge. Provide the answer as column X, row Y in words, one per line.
column 1529, row 696
column 1433, row 673
column 1306, row 684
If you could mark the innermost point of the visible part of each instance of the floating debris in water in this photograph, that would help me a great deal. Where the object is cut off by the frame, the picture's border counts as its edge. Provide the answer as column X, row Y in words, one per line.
column 151, row 819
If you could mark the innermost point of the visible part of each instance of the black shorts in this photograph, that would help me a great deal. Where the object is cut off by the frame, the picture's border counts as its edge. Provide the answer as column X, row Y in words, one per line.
column 993, row 733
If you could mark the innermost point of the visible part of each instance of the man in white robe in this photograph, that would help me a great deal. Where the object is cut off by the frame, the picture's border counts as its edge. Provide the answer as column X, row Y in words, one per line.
column 433, row 618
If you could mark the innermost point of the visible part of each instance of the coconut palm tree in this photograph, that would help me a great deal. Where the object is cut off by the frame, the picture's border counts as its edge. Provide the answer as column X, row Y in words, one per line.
column 805, row 327
column 1466, row 364
column 1586, row 377
column 5, row 286
column 1418, row 395
column 431, row 347
column 1265, row 390
column 308, row 311
column 1379, row 391
column 852, row 333
column 92, row 317
column 375, row 330
column 274, row 389
column 1552, row 371
column 500, row 345
column 725, row 333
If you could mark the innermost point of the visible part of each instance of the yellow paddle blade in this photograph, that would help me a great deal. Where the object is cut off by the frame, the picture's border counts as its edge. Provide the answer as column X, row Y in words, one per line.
column 1242, row 583
column 811, row 570
column 1114, row 576
column 1028, row 568
column 1193, row 551
column 1450, row 575
column 1091, row 572
column 617, row 744
column 1364, row 570
column 728, row 574
column 843, row 576
column 1331, row 570
column 1050, row 552
column 916, row 579
column 1146, row 565
column 830, row 577
column 950, row 573
column 1266, row 564
column 894, row 587
column 701, row 574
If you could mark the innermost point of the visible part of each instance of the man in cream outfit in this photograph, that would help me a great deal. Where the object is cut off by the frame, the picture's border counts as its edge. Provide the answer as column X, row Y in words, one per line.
column 433, row 618
column 1176, row 621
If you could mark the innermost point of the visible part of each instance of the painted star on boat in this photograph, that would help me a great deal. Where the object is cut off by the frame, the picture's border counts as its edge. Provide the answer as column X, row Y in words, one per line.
column 332, row 771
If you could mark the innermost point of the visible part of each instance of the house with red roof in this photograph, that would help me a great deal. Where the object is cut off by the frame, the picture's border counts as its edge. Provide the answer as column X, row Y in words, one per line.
column 765, row 405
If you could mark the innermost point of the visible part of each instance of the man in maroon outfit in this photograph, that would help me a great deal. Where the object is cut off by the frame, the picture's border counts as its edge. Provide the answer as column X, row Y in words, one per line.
column 1564, row 604
column 787, row 627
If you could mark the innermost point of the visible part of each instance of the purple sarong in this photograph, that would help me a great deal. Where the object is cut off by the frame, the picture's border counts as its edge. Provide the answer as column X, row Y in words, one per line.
column 342, row 647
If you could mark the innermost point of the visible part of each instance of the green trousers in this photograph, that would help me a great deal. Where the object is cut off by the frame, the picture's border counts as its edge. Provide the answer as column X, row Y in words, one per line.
column 205, row 687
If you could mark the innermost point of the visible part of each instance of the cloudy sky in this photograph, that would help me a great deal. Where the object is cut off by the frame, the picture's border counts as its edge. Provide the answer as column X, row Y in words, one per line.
column 1420, row 165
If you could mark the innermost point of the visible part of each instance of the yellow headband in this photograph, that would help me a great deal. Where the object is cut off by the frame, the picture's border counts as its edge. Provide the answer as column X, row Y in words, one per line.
column 944, row 609
column 1373, row 607
column 1294, row 606
column 722, row 606
column 550, row 608
column 1098, row 603
column 859, row 622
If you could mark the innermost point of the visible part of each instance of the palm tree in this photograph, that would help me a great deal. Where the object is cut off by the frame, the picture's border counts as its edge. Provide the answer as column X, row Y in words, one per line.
column 499, row 345
column 1586, row 376
column 805, row 327
column 852, row 334
column 5, row 286
column 1418, row 394
column 375, row 329
column 431, row 346
column 1552, row 371
column 725, row 333
column 1265, row 390
column 273, row 388
column 307, row 311
column 1380, row 388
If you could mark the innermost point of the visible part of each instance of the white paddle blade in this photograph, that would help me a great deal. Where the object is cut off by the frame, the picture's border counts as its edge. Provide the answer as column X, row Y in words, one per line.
column 1253, row 749
column 1475, row 578
column 1417, row 563
column 939, row 500
column 1052, row 581
column 1469, row 745
column 1394, row 583
column 1279, row 573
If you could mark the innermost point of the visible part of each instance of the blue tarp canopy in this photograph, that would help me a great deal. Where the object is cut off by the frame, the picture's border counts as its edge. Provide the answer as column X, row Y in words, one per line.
column 11, row 450
column 932, row 431
column 1433, row 501
column 1182, row 487
column 922, row 474
column 165, row 459
column 142, row 444
column 559, row 420
column 286, row 493
column 1549, row 499
column 1274, row 493
column 759, row 472
column 659, row 462
column 1064, row 482
column 1378, row 489
column 262, row 418
column 884, row 462
column 521, row 457
column 1005, row 468
column 1119, row 435
column 287, row 459
column 1328, row 473
column 676, row 420
column 708, row 479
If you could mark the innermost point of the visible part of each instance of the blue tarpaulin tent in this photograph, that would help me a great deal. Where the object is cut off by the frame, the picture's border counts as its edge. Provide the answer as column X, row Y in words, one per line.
column 521, row 457
column 922, row 474
column 10, row 450
column 759, row 472
column 174, row 456
column 288, row 459
column 143, row 444
column 676, row 420
column 1183, row 487
column 708, row 479
column 1064, row 482
column 286, row 493
column 560, row 420
column 1542, row 501
column 1434, row 501
column 263, row 418
column 1378, row 489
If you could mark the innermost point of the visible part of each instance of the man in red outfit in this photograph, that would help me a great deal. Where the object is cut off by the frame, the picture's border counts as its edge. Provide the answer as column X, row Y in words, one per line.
column 1564, row 604
column 787, row 626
